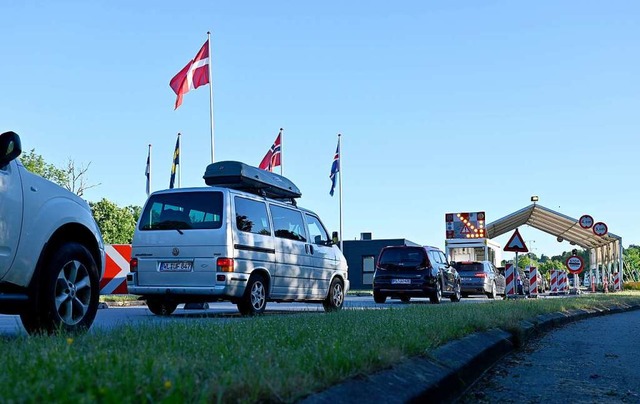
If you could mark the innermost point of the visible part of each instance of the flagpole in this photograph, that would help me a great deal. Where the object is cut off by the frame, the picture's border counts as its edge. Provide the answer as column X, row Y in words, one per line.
column 179, row 160
column 211, row 95
column 281, row 151
column 340, row 187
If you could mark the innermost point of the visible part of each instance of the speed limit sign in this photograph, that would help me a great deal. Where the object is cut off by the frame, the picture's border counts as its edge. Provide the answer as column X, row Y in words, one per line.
column 600, row 229
column 574, row 264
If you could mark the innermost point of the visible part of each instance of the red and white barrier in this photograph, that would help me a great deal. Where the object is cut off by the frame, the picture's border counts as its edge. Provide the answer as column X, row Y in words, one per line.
column 563, row 283
column 554, row 281
column 510, row 280
column 533, row 281
column 114, row 280
column 616, row 282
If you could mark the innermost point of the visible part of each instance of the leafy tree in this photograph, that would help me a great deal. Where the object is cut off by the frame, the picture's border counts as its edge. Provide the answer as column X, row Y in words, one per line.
column 116, row 224
column 36, row 164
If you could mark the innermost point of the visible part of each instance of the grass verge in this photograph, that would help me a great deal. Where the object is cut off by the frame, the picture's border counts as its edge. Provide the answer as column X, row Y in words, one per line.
column 269, row 358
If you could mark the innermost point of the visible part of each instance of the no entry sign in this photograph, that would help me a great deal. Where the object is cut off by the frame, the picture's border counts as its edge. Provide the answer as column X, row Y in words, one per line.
column 574, row 264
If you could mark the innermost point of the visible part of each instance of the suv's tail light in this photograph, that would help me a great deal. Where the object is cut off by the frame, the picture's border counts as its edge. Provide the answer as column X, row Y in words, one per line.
column 133, row 265
column 225, row 264
column 480, row 275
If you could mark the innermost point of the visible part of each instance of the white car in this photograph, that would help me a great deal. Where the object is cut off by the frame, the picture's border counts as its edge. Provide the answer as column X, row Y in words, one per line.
column 243, row 240
column 51, row 250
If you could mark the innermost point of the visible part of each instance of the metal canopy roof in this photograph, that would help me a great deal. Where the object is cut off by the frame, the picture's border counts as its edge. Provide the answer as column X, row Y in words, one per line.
column 550, row 222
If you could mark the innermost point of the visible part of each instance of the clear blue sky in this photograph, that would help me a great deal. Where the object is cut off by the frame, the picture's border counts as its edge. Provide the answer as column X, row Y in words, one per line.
column 443, row 106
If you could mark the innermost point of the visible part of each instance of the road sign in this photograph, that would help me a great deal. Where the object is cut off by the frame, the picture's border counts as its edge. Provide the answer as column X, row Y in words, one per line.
column 600, row 229
column 574, row 264
column 516, row 243
column 586, row 221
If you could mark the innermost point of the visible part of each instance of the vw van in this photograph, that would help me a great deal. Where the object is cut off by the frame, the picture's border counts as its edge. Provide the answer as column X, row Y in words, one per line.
column 241, row 239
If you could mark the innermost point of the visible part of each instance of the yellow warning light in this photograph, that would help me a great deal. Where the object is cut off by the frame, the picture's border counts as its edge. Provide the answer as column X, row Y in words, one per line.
column 458, row 214
column 476, row 230
column 468, row 235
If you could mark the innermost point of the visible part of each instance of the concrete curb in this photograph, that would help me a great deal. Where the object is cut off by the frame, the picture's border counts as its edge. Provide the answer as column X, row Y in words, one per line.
column 448, row 371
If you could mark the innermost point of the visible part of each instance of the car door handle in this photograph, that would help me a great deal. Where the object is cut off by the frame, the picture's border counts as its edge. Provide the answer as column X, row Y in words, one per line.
column 308, row 248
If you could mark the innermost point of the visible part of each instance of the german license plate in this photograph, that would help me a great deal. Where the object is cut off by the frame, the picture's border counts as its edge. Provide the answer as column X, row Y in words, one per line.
column 400, row 281
column 176, row 266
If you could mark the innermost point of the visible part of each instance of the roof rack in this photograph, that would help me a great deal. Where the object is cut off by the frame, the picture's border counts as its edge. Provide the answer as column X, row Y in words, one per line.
column 241, row 176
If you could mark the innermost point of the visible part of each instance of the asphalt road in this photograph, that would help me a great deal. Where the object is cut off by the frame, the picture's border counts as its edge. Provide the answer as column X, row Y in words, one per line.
column 108, row 318
column 590, row 361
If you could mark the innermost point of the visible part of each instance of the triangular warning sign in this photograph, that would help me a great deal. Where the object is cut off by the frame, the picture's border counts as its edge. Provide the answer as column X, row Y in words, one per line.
column 465, row 230
column 516, row 244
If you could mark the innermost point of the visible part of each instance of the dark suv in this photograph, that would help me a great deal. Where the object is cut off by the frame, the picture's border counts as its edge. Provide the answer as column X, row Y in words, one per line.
column 403, row 272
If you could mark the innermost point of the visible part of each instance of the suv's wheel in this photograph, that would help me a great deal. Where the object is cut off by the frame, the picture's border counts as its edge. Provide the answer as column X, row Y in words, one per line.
column 457, row 295
column 254, row 300
column 335, row 298
column 161, row 308
column 379, row 297
column 436, row 295
column 67, row 292
column 492, row 294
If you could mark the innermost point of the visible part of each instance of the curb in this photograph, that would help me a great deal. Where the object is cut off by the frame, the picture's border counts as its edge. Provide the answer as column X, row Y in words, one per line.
column 446, row 373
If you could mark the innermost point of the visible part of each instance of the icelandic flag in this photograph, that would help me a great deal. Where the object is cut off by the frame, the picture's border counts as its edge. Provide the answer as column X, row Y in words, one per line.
column 335, row 168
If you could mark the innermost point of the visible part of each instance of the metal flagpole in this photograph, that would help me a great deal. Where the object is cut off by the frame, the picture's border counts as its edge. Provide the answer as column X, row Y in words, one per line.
column 281, row 151
column 211, row 96
column 179, row 161
column 340, row 186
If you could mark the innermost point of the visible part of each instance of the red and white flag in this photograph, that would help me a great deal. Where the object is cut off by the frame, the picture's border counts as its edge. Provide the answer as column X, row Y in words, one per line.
column 273, row 157
column 193, row 75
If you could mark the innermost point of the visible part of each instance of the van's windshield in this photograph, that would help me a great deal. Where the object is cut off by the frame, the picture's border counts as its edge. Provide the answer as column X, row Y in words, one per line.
column 184, row 210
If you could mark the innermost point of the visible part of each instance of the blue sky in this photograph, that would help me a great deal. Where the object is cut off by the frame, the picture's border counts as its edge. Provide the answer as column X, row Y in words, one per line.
column 443, row 106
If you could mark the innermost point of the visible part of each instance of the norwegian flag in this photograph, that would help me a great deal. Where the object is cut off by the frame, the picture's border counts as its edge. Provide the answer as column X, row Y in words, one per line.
column 273, row 158
column 335, row 169
column 193, row 75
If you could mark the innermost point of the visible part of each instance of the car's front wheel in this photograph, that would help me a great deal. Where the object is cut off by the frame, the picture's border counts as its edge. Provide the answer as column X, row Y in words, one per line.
column 67, row 292
column 379, row 297
column 457, row 295
column 335, row 297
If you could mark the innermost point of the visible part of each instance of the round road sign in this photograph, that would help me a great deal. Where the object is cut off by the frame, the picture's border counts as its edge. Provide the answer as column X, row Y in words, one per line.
column 574, row 264
column 600, row 229
column 586, row 221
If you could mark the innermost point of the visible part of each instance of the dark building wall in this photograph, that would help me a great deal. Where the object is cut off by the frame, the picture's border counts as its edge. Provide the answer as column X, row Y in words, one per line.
column 361, row 253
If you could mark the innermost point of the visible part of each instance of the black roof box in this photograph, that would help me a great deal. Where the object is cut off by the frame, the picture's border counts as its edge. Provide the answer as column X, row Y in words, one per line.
column 237, row 175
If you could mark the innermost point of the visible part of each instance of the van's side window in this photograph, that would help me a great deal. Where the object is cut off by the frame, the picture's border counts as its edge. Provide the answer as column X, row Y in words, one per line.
column 251, row 216
column 287, row 223
column 317, row 232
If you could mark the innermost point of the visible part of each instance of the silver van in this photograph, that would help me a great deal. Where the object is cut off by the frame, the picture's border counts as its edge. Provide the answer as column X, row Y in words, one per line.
column 243, row 239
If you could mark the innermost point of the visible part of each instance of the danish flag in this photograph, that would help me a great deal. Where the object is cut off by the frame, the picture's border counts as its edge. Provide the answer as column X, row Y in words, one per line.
column 193, row 75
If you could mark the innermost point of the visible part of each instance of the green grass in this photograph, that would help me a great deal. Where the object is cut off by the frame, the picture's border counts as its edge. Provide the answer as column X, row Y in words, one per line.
column 269, row 358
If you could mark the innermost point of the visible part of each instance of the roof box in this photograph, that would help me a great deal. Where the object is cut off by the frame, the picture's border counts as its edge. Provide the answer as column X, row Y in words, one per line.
column 237, row 175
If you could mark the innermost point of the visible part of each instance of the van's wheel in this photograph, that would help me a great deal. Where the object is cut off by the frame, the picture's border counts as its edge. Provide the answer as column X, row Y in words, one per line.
column 67, row 293
column 161, row 308
column 254, row 300
column 457, row 295
column 335, row 298
column 379, row 297
column 436, row 295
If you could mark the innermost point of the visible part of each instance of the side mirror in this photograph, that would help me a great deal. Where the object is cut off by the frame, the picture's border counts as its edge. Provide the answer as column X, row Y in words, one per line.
column 335, row 239
column 10, row 147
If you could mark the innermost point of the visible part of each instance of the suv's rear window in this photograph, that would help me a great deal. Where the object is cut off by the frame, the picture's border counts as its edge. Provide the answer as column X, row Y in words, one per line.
column 469, row 267
column 184, row 210
column 402, row 258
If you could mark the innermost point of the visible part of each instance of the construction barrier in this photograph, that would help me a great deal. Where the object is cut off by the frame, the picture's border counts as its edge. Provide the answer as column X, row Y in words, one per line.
column 616, row 282
column 533, row 281
column 563, row 284
column 114, row 280
column 554, row 282
column 605, row 283
column 510, row 280
column 593, row 283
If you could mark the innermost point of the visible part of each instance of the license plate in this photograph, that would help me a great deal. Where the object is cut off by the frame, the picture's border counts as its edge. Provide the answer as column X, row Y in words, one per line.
column 400, row 281
column 177, row 266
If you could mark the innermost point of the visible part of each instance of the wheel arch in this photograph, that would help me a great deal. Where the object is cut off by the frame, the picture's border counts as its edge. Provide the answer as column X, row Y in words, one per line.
column 267, row 277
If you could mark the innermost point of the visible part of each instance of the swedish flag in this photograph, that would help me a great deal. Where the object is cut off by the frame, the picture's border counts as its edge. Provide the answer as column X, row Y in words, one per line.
column 176, row 161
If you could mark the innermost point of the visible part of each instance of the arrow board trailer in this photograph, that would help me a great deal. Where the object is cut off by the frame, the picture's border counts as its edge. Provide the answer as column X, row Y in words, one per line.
column 237, row 175
column 478, row 249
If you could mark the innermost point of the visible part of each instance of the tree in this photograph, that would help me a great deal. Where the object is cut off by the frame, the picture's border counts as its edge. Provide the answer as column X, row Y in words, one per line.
column 116, row 224
column 36, row 164
column 76, row 178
